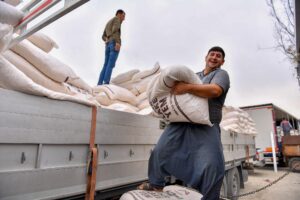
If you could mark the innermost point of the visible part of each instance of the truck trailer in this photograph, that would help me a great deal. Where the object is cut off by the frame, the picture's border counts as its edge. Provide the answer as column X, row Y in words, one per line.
column 44, row 149
column 45, row 143
column 267, row 118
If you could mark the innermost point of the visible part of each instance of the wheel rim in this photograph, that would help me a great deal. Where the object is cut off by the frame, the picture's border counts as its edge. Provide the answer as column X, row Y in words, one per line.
column 296, row 165
column 235, row 183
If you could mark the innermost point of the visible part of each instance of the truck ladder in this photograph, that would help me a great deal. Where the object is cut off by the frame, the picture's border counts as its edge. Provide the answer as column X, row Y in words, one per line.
column 35, row 8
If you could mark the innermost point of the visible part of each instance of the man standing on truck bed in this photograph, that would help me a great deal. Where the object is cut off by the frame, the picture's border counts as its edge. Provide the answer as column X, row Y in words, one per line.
column 193, row 153
column 112, row 38
column 286, row 126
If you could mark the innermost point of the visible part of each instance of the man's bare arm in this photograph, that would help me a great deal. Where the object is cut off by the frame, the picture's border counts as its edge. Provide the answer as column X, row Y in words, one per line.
column 201, row 90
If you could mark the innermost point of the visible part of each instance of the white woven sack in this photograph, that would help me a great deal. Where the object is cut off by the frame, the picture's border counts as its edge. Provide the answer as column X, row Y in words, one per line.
column 141, row 97
column 104, row 99
column 124, row 77
column 116, row 93
column 146, row 111
column 141, row 86
column 80, row 83
column 46, row 63
column 34, row 74
column 177, row 108
column 231, row 114
column 42, row 41
column 143, row 104
column 144, row 74
column 229, row 121
column 9, row 14
column 13, row 79
column 6, row 32
column 123, row 106
column 173, row 192
column 13, row 2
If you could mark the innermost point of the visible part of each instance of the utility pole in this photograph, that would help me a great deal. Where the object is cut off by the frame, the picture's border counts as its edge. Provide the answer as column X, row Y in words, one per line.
column 297, row 29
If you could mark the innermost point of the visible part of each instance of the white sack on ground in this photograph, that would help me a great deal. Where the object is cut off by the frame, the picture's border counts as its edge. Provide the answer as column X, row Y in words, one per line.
column 34, row 74
column 13, row 79
column 6, row 32
column 122, row 106
column 172, row 192
column 46, row 63
column 177, row 108
column 116, row 93
column 13, row 2
column 146, row 73
column 124, row 77
column 9, row 14
column 42, row 41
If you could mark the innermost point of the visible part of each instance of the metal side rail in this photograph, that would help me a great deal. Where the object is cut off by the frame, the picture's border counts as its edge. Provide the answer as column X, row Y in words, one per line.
column 37, row 7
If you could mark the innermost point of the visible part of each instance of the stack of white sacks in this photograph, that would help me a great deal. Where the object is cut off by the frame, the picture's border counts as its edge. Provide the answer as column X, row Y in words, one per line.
column 237, row 120
column 27, row 67
column 127, row 91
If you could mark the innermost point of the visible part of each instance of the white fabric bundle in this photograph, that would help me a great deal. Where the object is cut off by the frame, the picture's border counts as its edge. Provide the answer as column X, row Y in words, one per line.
column 42, row 41
column 124, row 77
column 115, row 92
column 177, row 108
column 49, row 65
column 172, row 192
column 9, row 14
column 35, row 74
column 6, row 32
column 13, row 79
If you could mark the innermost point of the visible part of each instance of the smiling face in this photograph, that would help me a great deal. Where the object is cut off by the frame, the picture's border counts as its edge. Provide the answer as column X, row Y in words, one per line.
column 214, row 59
column 122, row 17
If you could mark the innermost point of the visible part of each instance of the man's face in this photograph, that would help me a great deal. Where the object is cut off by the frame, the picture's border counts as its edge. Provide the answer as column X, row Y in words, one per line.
column 214, row 59
column 122, row 17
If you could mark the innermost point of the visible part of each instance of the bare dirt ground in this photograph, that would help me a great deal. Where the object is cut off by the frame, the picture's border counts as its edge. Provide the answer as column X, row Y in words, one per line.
column 286, row 189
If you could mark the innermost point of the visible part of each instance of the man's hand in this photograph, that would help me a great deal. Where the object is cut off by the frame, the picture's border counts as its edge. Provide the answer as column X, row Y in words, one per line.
column 180, row 88
column 117, row 47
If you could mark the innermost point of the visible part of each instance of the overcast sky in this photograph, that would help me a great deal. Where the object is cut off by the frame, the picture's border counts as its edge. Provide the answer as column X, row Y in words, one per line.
column 180, row 32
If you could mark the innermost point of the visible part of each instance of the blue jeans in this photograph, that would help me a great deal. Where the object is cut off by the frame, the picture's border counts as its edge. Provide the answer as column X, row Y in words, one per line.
column 111, row 56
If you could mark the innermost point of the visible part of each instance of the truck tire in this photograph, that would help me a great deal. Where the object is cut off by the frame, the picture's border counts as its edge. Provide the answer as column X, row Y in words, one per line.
column 233, row 183
column 294, row 164
column 224, row 188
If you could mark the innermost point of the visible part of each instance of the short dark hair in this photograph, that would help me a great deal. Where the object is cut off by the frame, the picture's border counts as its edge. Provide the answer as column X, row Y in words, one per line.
column 218, row 49
column 120, row 12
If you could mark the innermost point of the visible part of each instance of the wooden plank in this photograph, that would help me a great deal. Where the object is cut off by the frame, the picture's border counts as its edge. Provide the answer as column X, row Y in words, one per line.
column 291, row 139
column 291, row 150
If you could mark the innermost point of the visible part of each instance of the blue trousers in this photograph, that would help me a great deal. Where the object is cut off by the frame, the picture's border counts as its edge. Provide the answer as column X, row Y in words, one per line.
column 193, row 153
column 111, row 56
